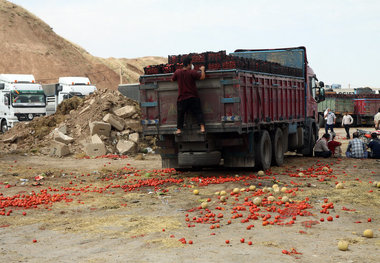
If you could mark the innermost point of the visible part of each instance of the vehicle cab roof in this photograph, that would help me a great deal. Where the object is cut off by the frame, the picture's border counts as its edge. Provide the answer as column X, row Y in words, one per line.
column 14, row 78
column 75, row 80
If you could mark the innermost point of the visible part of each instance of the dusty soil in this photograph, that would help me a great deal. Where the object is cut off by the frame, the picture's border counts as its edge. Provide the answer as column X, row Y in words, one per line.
column 126, row 210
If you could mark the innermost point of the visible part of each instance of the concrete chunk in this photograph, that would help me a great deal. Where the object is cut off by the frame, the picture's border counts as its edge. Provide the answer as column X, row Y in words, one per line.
column 124, row 147
column 100, row 128
column 96, row 139
column 63, row 129
column 60, row 137
column 115, row 121
column 134, row 125
column 59, row 149
column 134, row 137
column 84, row 110
column 125, row 111
column 10, row 139
column 95, row 149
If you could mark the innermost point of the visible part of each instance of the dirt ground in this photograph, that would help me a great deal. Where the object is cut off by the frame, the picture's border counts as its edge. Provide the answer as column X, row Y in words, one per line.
column 127, row 210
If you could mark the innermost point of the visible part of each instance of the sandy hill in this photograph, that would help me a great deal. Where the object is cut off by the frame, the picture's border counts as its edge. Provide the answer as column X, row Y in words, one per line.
column 132, row 68
column 29, row 46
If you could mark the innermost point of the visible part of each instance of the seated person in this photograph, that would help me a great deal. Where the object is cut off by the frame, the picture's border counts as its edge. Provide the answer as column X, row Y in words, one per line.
column 356, row 147
column 374, row 145
column 334, row 147
column 320, row 148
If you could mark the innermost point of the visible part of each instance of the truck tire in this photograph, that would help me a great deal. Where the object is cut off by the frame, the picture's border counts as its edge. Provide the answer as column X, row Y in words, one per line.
column 264, row 150
column 4, row 126
column 310, row 142
column 278, row 148
column 321, row 120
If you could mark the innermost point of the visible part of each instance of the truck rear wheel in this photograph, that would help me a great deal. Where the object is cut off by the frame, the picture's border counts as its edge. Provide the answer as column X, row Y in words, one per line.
column 264, row 150
column 4, row 126
column 277, row 148
column 310, row 142
column 321, row 120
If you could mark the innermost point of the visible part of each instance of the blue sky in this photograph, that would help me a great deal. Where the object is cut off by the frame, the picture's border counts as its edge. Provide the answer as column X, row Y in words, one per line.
column 342, row 37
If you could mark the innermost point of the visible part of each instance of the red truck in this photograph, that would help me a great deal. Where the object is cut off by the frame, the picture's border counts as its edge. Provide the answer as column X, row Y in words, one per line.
column 252, row 116
column 366, row 106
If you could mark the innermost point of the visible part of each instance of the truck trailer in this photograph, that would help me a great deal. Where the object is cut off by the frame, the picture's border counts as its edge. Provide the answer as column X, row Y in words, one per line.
column 252, row 117
column 67, row 87
column 361, row 106
column 339, row 104
column 21, row 99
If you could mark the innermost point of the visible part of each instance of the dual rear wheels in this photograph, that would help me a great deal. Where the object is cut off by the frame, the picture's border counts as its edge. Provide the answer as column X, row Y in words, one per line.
column 270, row 149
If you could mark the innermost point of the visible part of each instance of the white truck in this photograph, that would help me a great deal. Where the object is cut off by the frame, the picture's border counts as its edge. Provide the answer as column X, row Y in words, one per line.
column 21, row 99
column 67, row 87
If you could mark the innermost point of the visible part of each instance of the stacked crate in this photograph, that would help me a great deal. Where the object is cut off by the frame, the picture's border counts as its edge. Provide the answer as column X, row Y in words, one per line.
column 221, row 61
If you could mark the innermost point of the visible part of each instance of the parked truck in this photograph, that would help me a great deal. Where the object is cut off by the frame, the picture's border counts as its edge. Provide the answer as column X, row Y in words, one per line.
column 252, row 117
column 67, row 87
column 362, row 106
column 339, row 104
column 366, row 106
column 21, row 99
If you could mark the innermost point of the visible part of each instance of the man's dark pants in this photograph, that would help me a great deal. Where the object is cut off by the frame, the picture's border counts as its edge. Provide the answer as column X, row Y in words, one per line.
column 194, row 106
column 329, row 126
column 347, row 128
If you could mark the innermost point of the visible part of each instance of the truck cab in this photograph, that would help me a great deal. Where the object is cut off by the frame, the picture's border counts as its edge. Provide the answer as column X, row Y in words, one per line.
column 21, row 99
column 67, row 87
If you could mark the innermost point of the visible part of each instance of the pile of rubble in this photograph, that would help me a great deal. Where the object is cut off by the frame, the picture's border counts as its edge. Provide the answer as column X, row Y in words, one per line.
column 105, row 122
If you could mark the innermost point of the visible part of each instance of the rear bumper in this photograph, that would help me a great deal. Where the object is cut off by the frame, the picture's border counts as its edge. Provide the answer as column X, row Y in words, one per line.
column 199, row 159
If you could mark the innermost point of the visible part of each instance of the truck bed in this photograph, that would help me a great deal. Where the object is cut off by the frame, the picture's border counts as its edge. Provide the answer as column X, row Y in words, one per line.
column 232, row 101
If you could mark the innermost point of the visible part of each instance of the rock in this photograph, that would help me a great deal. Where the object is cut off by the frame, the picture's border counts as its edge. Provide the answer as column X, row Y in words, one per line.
column 134, row 125
column 60, row 137
column 13, row 147
column 10, row 139
column 100, row 128
column 96, row 139
column 59, row 149
column 115, row 121
column 125, row 132
column 124, row 146
column 134, row 137
column 95, row 149
column 125, row 111
column 84, row 110
column 63, row 129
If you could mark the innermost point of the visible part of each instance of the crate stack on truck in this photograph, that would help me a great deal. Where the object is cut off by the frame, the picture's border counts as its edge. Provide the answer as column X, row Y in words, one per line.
column 257, row 105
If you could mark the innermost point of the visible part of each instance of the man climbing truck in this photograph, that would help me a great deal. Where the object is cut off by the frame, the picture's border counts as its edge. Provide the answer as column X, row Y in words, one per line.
column 21, row 99
column 257, row 105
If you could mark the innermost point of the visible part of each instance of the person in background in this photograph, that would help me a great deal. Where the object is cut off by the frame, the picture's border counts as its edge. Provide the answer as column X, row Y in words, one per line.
column 374, row 145
column 376, row 120
column 346, row 123
column 188, row 98
column 320, row 148
column 356, row 148
column 330, row 120
column 334, row 146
